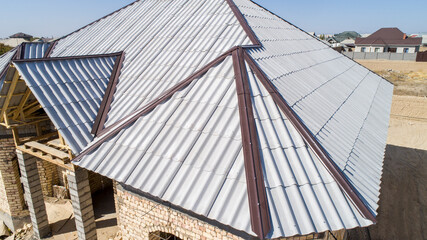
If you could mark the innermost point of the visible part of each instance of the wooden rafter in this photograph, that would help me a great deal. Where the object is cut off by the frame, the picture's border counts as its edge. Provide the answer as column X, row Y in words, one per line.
column 19, row 110
column 9, row 94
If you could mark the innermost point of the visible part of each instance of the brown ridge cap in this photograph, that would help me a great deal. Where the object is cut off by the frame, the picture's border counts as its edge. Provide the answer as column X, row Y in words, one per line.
column 108, row 96
column 50, row 49
column 252, row 36
column 19, row 52
column 135, row 115
column 68, row 58
column 317, row 148
column 258, row 206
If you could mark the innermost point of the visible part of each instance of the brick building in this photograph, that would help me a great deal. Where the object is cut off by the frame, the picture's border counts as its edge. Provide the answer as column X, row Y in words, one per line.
column 215, row 119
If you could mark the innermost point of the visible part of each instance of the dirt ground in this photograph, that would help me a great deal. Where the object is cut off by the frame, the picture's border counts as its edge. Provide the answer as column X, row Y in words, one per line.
column 61, row 217
column 402, row 212
column 409, row 78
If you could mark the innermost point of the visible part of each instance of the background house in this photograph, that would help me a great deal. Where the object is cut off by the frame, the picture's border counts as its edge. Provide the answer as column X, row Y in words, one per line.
column 388, row 40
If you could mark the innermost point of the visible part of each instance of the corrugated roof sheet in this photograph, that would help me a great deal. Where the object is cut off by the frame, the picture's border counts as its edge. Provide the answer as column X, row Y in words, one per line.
column 192, row 138
column 188, row 150
column 34, row 50
column 336, row 98
column 30, row 51
column 70, row 91
column 164, row 42
column 5, row 59
column 303, row 197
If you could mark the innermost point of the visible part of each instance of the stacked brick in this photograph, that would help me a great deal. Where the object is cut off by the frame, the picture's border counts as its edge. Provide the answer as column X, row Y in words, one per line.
column 33, row 194
column 12, row 201
column 48, row 176
column 80, row 193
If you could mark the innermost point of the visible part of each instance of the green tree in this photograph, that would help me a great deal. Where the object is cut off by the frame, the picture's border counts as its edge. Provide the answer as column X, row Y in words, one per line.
column 4, row 49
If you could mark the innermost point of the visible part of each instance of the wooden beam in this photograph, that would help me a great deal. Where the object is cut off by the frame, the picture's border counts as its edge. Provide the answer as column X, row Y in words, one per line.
column 6, row 120
column 24, row 100
column 31, row 110
column 13, row 95
column 19, row 80
column 43, row 137
column 16, row 136
column 38, row 129
column 17, row 123
column 48, row 158
column 9, row 94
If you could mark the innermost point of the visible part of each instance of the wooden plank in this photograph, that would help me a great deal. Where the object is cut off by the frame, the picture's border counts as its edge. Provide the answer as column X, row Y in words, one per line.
column 46, row 149
column 48, row 158
column 9, row 94
column 58, row 144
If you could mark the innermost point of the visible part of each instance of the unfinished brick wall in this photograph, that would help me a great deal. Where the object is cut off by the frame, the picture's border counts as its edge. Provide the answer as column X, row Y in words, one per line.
column 98, row 182
column 48, row 176
column 11, row 197
column 138, row 216
column 12, row 203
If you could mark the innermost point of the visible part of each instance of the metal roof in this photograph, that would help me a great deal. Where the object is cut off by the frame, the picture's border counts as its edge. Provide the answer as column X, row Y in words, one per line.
column 164, row 42
column 34, row 50
column 5, row 59
column 179, row 123
column 193, row 137
column 70, row 90
column 23, row 51
column 336, row 98
column 4, row 64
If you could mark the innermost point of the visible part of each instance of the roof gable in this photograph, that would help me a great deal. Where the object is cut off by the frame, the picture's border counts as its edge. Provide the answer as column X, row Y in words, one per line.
column 70, row 90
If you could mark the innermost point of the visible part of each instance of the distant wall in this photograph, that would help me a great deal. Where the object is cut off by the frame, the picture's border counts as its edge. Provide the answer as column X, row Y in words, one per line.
column 381, row 55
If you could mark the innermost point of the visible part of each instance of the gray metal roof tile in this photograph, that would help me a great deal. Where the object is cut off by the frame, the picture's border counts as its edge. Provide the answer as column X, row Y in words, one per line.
column 70, row 91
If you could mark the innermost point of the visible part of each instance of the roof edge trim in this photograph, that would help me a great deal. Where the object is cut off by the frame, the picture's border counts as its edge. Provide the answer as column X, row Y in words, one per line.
column 257, row 196
column 317, row 148
column 251, row 34
column 108, row 96
column 129, row 119
column 116, row 54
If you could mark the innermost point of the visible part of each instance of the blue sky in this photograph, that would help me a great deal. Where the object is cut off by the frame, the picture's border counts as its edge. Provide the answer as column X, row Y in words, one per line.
column 58, row 17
